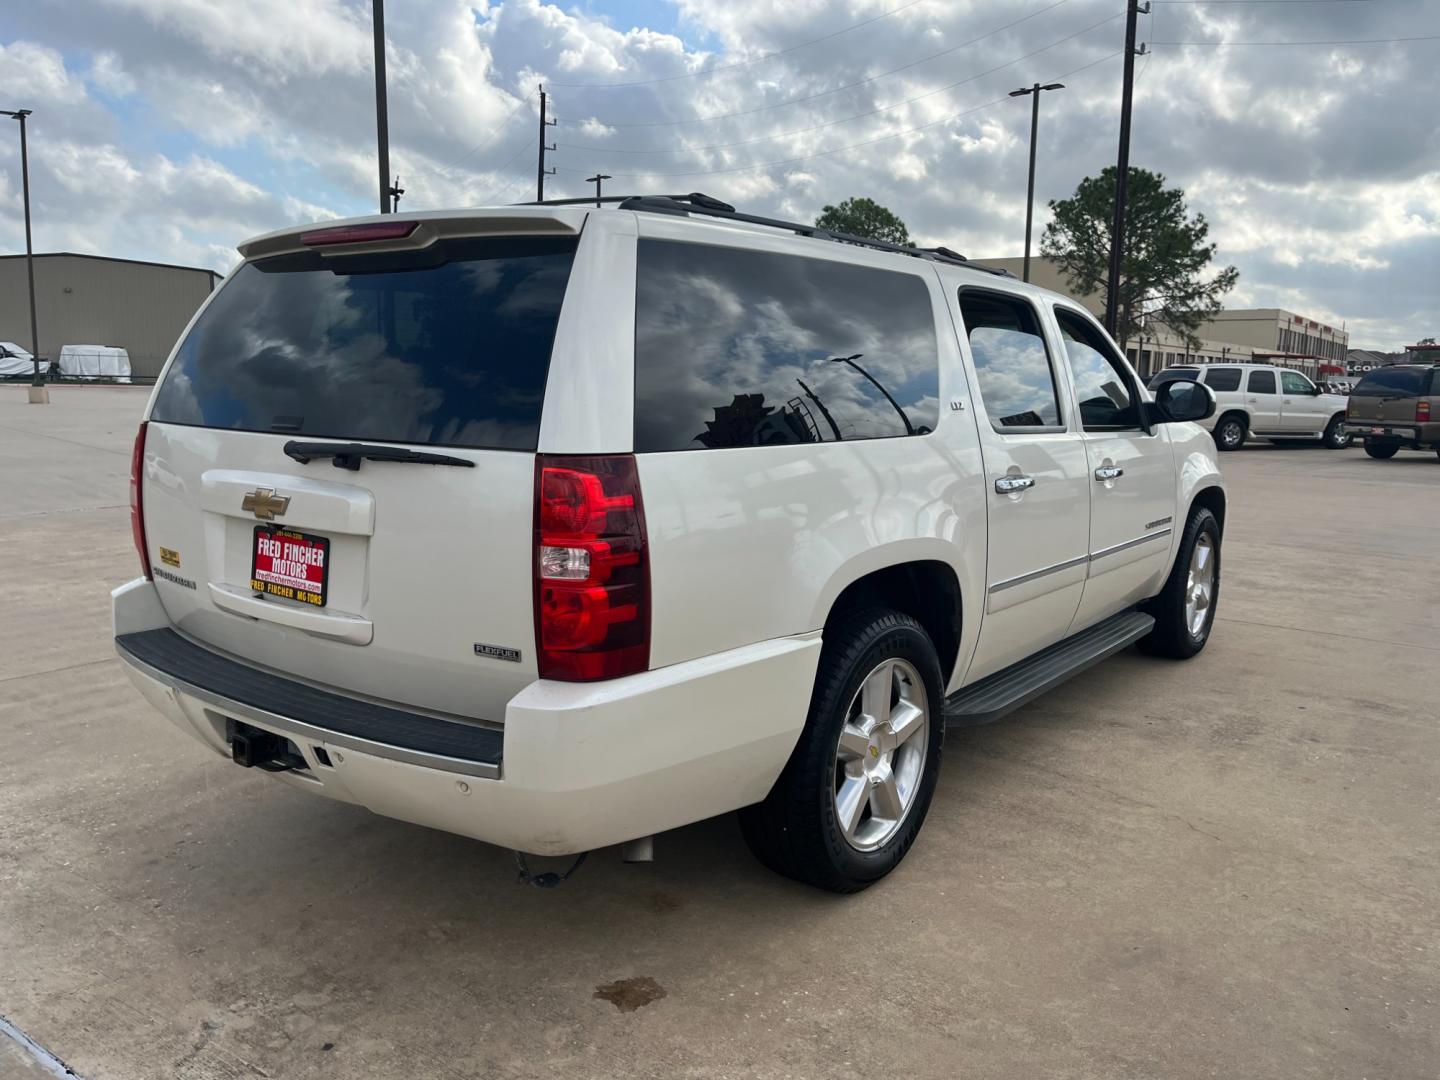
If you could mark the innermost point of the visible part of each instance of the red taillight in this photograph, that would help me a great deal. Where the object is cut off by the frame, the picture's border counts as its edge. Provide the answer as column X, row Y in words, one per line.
column 592, row 577
column 359, row 234
column 137, row 507
column 1422, row 412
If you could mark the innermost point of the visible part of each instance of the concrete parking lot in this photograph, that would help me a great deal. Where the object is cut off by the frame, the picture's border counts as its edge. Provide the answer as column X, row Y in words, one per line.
column 1224, row 868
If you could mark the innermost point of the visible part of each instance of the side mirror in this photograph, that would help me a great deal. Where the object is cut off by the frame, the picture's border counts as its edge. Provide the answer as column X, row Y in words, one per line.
column 1316, row 391
column 1181, row 401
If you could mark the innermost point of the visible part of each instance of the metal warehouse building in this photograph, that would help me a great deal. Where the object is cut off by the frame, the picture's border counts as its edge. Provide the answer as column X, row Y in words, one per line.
column 92, row 300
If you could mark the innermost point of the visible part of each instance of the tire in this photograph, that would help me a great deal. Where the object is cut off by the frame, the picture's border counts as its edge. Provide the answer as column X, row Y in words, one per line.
column 1177, row 634
column 1336, row 437
column 1229, row 433
column 1381, row 449
column 797, row 831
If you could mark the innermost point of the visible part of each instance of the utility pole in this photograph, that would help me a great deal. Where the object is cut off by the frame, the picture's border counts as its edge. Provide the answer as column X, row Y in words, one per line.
column 382, row 110
column 596, row 181
column 38, row 394
column 540, row 171
column 1133, row 9
column 1035, row 91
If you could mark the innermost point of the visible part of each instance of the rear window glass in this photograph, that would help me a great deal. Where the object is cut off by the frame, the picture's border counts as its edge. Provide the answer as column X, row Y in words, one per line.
column 448, row 346
column 1385, row 382
column 748, row 348
column 1223, row 378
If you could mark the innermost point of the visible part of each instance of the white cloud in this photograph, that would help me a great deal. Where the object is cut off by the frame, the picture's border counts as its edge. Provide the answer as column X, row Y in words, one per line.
column 1320, row 181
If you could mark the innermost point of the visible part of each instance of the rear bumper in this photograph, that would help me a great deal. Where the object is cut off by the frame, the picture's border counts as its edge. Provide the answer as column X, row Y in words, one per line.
column 576, row 766
column 1406, row 433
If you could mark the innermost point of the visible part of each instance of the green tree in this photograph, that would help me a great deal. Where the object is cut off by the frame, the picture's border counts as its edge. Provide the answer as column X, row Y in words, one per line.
column 1165, row 274
column 864, row 217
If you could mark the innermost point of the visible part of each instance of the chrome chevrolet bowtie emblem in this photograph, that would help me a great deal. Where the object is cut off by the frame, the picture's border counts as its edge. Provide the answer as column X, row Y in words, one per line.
column 265, row 504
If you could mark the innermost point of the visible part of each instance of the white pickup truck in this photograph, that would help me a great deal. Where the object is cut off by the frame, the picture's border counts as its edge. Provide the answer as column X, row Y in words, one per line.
column 558, row 527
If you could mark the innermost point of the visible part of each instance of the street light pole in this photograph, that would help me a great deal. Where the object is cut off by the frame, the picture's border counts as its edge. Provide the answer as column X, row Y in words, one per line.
column 37, row 382
column 382, row 108
column 596, row 179
column 1035, row 92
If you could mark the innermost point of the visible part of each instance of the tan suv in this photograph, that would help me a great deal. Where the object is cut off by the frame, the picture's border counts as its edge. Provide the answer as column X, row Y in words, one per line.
column 1396, row 406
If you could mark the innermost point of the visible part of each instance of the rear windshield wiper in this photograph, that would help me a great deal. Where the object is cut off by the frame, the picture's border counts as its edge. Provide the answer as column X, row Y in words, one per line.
column 349, row 455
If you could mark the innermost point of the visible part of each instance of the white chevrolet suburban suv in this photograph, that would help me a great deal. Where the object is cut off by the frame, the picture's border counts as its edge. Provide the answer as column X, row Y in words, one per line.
column 558, row 527
column 1263, row 401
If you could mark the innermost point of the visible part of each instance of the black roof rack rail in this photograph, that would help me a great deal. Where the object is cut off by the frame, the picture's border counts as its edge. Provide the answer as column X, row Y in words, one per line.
column 699, row 203
column 591, row 200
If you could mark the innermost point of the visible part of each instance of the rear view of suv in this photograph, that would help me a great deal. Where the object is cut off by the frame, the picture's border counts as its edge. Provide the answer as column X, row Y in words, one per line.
column 560, row 527
column 1397, row 407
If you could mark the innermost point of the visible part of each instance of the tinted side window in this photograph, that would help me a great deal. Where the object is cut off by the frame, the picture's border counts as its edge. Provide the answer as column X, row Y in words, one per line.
column 1223, row 378
column 1261, row 382
column 1011, row 361
column 750, row 348
column 1295, row 383
column 1101, row 386
column 448, row 346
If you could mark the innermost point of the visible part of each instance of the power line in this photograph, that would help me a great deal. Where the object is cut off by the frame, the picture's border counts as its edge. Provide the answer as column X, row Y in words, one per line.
column 495, row 196
column 851, row 146
column 1262, row 1
column 513, row 157
column 480, row 145
column 1275, row 44
column 846, row 86
column 741, row 63
column 845, row 119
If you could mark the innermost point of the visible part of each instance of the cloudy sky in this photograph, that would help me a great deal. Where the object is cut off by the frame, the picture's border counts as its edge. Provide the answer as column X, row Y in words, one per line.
column 172, row 129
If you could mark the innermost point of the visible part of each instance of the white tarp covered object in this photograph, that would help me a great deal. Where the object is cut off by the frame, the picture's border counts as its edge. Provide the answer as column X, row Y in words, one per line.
column 14, row 360
column 90, row 361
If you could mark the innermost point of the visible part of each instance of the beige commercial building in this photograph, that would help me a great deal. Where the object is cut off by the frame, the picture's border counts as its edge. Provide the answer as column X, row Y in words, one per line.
column 1277, row 332
column 1261, row 335
column 92, row 300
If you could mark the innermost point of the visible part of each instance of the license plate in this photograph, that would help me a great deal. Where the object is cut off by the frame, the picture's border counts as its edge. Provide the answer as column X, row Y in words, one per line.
column 1379, row 431
column 292, row 565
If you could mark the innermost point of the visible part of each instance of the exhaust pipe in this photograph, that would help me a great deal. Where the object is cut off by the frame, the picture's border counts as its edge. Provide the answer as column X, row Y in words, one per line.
column 639, row 850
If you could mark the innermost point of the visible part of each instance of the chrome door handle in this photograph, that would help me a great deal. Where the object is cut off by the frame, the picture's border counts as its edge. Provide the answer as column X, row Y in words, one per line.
column 1008, row 485
column 1108, row 472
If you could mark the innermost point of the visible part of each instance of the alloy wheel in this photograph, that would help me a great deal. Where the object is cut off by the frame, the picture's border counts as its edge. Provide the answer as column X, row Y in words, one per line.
column 880, row 756
column 1200, row 585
